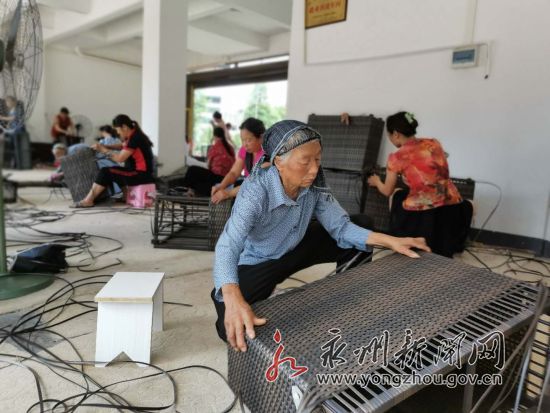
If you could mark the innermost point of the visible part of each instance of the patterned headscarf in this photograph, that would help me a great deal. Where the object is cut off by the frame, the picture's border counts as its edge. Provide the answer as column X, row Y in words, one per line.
column 285, row 136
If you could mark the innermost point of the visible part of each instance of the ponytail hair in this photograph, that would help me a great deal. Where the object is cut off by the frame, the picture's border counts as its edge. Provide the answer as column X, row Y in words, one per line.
column 220, row 133
column 124, row 120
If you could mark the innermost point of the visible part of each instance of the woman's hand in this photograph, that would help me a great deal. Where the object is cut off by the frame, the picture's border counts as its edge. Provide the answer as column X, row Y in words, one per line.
column 401, row 245
column 374, row 180
column 344, row 118
column 220, row 195
column 99, row 148
column 215, row 189
column 239, row 317
column 404, row 246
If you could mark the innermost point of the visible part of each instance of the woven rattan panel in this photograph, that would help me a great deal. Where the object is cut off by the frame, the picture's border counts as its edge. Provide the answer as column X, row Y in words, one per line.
column 351, row 147
column 377, row 207
column 347, row 188
column 392, row 294
column 80, row 171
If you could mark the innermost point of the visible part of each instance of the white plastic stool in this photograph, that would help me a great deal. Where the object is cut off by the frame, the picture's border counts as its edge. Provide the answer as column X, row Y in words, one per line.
column 129, row 309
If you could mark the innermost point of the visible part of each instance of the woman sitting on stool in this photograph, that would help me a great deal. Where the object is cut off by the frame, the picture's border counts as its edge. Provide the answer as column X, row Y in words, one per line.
column 431, row 207
column 252, row 131
column 220, row 158
column 136, row 154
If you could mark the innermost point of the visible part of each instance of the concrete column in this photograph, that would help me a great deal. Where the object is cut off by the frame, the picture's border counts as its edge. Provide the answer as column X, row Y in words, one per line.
column 164, row 79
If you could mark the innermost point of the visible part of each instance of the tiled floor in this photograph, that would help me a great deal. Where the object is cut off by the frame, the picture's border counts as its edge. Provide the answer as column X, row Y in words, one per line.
column 189, row 337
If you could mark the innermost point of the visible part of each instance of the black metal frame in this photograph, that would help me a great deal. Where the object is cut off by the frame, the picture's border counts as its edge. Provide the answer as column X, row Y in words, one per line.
column 183, row 222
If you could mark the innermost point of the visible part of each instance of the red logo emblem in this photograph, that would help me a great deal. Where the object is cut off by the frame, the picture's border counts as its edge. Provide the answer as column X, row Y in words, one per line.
column 272, row 372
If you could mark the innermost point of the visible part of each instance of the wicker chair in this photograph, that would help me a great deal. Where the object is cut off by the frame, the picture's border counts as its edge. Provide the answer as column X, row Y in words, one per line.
column 348, row 151
column 377, row 205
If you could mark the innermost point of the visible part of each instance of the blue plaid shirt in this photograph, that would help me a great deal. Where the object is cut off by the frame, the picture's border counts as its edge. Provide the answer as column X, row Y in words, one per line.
column 265, row 224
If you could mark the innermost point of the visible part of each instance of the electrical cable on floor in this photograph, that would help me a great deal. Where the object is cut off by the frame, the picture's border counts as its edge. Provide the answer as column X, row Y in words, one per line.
column 513, row 264
column 32, row 322
column 25, row 221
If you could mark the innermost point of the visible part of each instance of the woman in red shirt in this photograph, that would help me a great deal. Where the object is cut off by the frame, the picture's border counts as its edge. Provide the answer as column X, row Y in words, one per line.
column 252, row 132
column 220, row 159
column 431, row 206
column 63, row 128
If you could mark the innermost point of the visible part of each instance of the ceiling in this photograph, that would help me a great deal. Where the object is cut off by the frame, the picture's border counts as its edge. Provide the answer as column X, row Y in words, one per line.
column 218, row 30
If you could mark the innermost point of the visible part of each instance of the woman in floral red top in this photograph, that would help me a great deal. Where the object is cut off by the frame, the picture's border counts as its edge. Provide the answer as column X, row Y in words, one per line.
column 220, row 159
column 431, row 206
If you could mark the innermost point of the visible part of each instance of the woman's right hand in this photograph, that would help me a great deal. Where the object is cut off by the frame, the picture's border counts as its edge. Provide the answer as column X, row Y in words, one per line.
column 374, row 180
column 239, row 318
column 344, row 118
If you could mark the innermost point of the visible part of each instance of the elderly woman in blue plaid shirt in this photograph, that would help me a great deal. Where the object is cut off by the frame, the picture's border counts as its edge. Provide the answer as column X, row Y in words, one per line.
column 270, row 234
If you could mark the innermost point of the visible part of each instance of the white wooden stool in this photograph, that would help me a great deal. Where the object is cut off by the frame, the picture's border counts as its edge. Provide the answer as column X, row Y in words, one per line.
column 129, row 309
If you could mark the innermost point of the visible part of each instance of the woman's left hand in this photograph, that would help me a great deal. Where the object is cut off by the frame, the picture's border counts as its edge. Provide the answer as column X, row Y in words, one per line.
column 374, row 180
column 99, row 147
column 220, row 196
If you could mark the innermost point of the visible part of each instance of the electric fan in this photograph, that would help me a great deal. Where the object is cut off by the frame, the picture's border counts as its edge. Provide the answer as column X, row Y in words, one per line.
column 20, row 75
column 84, row 127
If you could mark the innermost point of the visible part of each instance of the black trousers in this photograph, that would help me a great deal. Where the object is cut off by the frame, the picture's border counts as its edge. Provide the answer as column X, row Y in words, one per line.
column 123, row 177
column 445, row 228
column 257, row 282
column 201, row 180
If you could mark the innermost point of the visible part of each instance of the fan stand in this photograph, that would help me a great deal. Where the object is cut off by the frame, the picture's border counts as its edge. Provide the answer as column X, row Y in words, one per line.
column 81, row 139
column 13, row 285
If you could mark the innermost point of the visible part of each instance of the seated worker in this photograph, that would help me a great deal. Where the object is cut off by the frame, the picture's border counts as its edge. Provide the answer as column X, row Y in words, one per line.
column 109, row 138
column 10, row 126
column 220, row 158
column 431, row 207
column 252, row 131
column 59, row 151
column 137, row 155
column 63, row 129
column 8, row 121
column 270, row 236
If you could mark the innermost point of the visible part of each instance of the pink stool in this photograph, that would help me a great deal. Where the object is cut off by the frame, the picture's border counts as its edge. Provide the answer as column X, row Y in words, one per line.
column 141, row 196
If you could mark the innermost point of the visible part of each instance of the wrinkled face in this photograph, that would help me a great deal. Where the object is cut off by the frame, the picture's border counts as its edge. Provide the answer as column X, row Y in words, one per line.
column 299, row 168
column 250, row 142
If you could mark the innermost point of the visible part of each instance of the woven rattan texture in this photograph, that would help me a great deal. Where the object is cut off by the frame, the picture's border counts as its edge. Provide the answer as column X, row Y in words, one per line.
column 347, row 188
column 394, row 293
column 377, row 207
column 352, row 147
column 80, row 171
